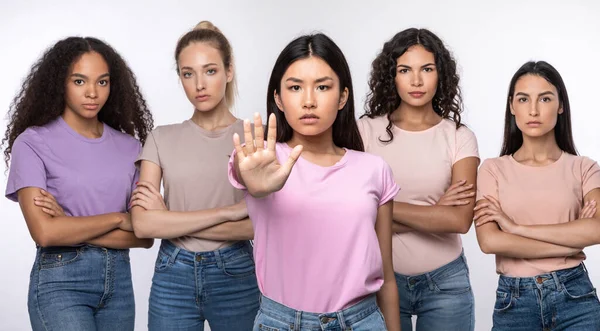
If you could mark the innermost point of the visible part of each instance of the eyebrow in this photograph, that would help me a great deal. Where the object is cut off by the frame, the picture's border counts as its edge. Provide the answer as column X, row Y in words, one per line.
column 408, row 67
column 204, row 66
column 298, row 80
column 539, row 95
column 86, row 77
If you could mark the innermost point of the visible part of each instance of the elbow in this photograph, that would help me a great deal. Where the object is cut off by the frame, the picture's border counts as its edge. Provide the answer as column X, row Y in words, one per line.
column 464, row 227
column 147, row 243
column 487, row 247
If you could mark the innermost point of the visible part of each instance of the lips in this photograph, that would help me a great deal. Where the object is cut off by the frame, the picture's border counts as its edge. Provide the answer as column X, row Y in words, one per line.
column 203, row 97
column 416, row 94
column 309, row 118
column 90, row 106
column 534, row 123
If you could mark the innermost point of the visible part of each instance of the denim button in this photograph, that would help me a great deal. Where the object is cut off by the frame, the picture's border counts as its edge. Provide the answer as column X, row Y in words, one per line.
column 59, row 256
column 412, row 281
column 539, row 280
column 198, row 258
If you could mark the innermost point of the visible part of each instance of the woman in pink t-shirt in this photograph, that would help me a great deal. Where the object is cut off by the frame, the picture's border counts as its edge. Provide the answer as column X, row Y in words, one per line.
column 413, row 121
column 322, row 221
column 536, row 211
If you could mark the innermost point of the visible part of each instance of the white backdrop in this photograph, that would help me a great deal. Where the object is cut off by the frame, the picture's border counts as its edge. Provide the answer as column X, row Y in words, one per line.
column 489, row 40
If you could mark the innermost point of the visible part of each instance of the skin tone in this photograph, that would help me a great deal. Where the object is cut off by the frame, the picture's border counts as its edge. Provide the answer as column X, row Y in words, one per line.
column 536, row 107
column 86, row 92
column 310, row 99
column 416, row 83
column 204, row 78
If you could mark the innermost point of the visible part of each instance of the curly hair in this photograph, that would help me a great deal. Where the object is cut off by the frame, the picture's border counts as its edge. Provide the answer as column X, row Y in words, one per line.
column 383, row 98
column 42, row 95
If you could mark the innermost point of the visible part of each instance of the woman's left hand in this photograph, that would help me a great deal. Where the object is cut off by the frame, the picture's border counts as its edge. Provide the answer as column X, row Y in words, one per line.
column 490, row 211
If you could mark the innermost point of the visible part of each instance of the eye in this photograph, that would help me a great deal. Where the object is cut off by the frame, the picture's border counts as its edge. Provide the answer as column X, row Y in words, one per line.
column 322, row 87
column 78, row 82
column 428, row 69
column 403, row 71
column 103, row 82
column 211, row 72
column 546, row 99
column 294, row 87
column 186, row 74
column 522, row 99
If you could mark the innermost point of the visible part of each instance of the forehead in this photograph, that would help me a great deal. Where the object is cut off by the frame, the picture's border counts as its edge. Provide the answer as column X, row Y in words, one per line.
column 312, row 67
column 199, row 54
column 90, row 62
column 416, row 54
column 533, row 83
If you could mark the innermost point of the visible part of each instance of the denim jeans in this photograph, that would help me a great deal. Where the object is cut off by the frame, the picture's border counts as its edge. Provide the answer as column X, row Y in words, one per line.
column 561, row 300
column 441, row 299
column 362, row 316
column 81, row 288
column 218, row 286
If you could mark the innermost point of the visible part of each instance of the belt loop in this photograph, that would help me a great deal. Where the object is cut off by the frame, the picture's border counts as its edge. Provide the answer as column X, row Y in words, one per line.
column 341, row 320
column 174, row 255
column 556, row 281
column 219, row 259
column 584, row 268
column 430, row 281
column 517, row 285
column 296, row 325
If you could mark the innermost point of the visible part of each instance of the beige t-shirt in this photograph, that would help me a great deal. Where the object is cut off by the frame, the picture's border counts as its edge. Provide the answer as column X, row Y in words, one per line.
column 194, row 166
column 422, row 164
column 550, row 194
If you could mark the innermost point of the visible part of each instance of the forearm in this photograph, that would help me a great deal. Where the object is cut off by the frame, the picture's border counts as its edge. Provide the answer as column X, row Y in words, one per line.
column 492, row 240
column 120, row 239
column 401, row 228
column 164, row 224
column 388, row 302
column 68, row 231
column 435, row 219
column 231, row 230
column 579, row 233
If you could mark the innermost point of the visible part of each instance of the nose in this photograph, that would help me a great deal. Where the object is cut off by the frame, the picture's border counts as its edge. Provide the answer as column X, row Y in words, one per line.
column 533, row 110
column 91, row 91
column 200, row 84
column 309, row 101
column 416, row 79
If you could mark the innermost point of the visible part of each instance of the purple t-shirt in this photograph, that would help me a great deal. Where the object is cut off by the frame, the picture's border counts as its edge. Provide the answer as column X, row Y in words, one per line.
column 86, row 176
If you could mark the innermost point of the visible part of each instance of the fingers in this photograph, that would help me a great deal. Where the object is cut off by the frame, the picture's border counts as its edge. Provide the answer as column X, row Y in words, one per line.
column 238, row 147
column 149, row 186
column 495, row 203
column 589, row 209
column 294, row 155
column 458, row 187
column 140, row 203
column 484, row 212
column 142, row 190
column 485, row 220
column 249, row 147
column 48, row 203
column 50, row 212
column 47, row 194
column 481, row 206
column 259, row 134
column 272, row 133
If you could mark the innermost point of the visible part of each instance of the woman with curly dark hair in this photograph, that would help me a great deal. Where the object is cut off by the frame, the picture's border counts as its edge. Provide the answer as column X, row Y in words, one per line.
column 413, row 121
column 72, row 145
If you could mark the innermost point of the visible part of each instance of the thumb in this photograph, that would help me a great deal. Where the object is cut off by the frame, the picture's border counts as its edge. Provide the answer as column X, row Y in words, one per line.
column 294, row 156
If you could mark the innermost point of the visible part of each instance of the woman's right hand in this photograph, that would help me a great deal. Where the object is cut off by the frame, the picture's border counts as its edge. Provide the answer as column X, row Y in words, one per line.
column 258, row 166
column 588, row 209
column 236, row 212
column 125, row 223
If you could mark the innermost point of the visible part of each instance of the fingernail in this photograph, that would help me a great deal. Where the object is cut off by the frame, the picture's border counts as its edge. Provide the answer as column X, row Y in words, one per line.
column 136, row 183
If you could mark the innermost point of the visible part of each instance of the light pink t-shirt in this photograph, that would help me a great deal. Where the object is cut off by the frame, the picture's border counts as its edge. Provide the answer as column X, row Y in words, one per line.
column 315, row 244
column 422, row 163
column 549, row 194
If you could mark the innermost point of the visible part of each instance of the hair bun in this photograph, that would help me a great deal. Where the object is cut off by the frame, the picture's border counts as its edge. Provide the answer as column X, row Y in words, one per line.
column 206, row 25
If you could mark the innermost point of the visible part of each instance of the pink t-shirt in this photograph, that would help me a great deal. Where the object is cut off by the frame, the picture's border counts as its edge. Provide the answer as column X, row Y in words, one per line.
column 550, row 194
column 422, row 162
column 315, row 244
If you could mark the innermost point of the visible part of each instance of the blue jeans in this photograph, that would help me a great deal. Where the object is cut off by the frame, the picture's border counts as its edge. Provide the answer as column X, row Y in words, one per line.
column 81, row 288
column 441, row 299
column 561, row 300
column 188, row 288
column 362, row 316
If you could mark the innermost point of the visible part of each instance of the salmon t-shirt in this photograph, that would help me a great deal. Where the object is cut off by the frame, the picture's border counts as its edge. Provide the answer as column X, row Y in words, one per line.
column 422, row 164
column 550, row 194
column 194, row 168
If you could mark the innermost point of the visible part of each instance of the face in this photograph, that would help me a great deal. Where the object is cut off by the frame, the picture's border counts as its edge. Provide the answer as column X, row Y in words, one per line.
column 310, row 96
column 203, row 75
column 88, row 85
column 535, row 105
column 416, row 76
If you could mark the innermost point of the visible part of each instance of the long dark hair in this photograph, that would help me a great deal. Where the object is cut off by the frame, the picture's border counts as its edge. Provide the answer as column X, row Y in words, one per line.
column 42, row 96
column 383, row 98
column 513, row 137
column 345, row 130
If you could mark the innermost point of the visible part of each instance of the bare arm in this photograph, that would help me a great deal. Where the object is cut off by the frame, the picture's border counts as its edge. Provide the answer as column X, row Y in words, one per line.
column 64, row 230
column 441, row 218
column 492, row 240
column 233, row 230
column 120, row 239
column 387, row 297
column 400, row 228
column 151, row 223
column 580, row 233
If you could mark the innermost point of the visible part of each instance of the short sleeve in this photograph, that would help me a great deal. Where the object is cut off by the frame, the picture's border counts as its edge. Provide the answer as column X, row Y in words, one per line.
column 590, row 175
column 231, row 172
column 136, row 175
column 487, row 181
column 363, row 130
column 389, row 188
column 466, row 144
column 150, row 149
column 27, row 168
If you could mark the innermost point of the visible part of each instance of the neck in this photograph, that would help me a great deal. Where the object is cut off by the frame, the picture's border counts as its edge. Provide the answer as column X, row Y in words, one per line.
column 320, row 144
column 539, row 149
column 87, row 127
column 214, row 119
column 415, row 114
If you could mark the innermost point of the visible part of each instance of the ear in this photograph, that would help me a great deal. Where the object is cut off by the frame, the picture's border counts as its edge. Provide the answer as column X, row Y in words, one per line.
column 512, row 109
column 230, row 73
column 343, row 98
column 278, row 100
column 560, row 109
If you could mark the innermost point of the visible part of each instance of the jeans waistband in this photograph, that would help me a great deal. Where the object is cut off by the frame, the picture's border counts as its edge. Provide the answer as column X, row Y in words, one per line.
column 446, row 270
column 211, row 257
column 300, row 319
column 551, row 280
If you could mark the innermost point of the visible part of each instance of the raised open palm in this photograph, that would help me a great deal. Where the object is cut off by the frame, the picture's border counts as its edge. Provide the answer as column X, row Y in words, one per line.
column 258, row 166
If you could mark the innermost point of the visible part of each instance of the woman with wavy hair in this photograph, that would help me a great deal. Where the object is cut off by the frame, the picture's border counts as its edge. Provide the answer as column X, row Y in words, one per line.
column 72, row 145
column 413, row 121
